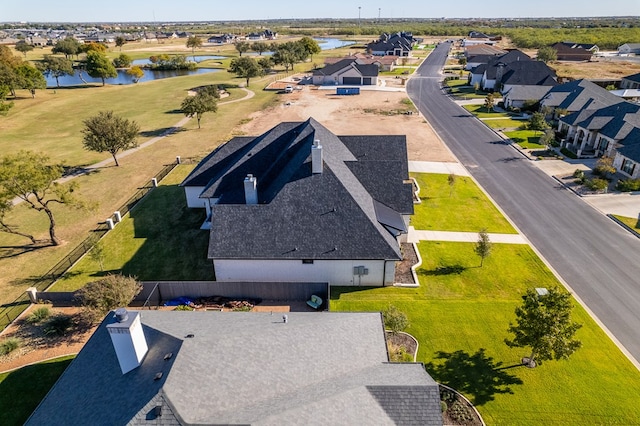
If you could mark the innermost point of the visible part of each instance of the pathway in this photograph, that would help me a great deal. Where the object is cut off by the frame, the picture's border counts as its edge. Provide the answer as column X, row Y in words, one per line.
column 415, row 236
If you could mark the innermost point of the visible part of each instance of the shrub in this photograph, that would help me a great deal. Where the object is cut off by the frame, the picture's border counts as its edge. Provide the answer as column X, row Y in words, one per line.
column 568, row 153
column 443, row 406
column 398, row 353
column 57, row 325
column 9, row 345
column 183, row 308
column 111, row 292
column 596, row 184
column 394, row 319
column 39, row 315
column 604, row 167
column 627, row 185
column 578, row 174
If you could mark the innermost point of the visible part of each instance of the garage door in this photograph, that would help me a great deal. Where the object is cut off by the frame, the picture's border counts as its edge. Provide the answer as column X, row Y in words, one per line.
column 366, row 81
column 351, row 80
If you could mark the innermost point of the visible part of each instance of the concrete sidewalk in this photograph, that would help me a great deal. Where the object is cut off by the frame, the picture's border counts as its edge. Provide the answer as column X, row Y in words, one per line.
column 415, row 236
column 437, row 167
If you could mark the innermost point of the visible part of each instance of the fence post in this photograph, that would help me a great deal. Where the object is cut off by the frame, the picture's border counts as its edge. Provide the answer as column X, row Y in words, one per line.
column 110, row 224
column 178, row 160
column 154, row 182
column 32, row 292
column 118, row 216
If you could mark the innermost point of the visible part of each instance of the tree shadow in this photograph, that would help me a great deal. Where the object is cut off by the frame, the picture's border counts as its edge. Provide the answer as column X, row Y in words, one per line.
column 164, row 131
column 174, row 111
column 456, row 269
column 476, row 375
column 7, row 252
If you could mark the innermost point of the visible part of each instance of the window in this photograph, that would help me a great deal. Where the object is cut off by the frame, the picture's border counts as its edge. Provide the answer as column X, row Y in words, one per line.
column 628, row 167
column 307, row 261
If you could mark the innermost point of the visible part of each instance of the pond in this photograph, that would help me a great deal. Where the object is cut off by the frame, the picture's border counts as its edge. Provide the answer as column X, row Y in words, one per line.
column 332, row 43
column 198, row 59
column 77, row 78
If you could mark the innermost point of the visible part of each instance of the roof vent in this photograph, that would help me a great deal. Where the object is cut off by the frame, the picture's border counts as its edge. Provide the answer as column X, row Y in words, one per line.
column 168, row 356
column 121, row 314
column 158, row 376
column 190, row 336
column 285, row 319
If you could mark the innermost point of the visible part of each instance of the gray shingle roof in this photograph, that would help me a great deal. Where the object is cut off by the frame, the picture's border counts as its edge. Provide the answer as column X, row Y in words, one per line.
column 300, row 215
column 529, row 73
column 526, row 93
column 246, row 368
column 633, row 77
column 578, row 95
column 366, row 70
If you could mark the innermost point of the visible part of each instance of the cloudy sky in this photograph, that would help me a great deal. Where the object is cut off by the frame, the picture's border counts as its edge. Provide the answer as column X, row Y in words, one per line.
column 200, row 10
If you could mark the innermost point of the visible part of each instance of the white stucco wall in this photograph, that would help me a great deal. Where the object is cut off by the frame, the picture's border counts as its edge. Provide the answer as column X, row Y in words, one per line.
column 192, row 193
column 336, row 272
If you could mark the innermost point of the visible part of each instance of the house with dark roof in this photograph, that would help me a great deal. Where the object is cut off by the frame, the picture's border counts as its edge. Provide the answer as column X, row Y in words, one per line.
column 397, row 44
column 384, row 63
column 348, row 71
column 572, row 51
column 477, row 38
column 629, row 49
column 300, row 204
column 576, row 96
column 630, row 82
column 239, row 368
column 602, row 131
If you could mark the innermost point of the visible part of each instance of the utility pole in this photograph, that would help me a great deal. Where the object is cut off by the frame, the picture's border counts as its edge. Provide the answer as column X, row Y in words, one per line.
column 359, row 7
column 379, row 9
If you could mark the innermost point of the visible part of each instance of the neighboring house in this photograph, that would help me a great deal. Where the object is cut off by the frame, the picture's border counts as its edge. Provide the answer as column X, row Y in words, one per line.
column 483, row 49
column 347, row 71
column 204, row 368
column 478, row 38
column 576, row 96
column 264, row 35
column 629, row 49
column 384, row 63
column 518, row 96
column 630, row 82
column 572, row 52
column 602, row 131
column 632, row 95
column 477, row 60
column 282, row 207
column 502, row 73
column 222, row 39
column 398, row 44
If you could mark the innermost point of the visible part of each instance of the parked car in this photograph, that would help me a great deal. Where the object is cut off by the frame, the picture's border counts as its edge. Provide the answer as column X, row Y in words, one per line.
column 288, row 89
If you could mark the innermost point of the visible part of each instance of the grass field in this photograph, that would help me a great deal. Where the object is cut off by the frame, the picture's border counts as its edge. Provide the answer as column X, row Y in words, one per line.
column 444, row 209
column 481, row 112
column 504, row 123
column 461, row 88
column 22, row 390
column 633, row 223
column 527, row 139
column 460, row 314
column 159, row 240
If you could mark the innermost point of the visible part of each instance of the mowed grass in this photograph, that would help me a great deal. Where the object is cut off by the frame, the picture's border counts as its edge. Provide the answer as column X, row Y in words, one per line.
column 481, row 112
column 22, row 390
column 460, row 315
column 463, row 207
column 633, row 223
column 159, row 240
column 504, row 123
column 527, row 139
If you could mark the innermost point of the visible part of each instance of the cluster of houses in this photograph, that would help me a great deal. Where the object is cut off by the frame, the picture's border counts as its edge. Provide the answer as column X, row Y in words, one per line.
column 295, row 204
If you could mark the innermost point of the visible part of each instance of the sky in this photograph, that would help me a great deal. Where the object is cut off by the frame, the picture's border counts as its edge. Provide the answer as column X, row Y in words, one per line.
column 202, row 10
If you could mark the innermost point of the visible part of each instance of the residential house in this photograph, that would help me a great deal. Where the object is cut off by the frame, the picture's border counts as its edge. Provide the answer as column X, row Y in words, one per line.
column 572, row 52
column 519, row 96
column 629, row 49
column 482, row 49
column 222, row 39
column 477, row 38
column 630, row 82
column 398, row 44
column 300, row 204
column 264, row 35
column 203, row 368
column 347, row 71
column 576, row 96
column 601, row 131
column 479, row 73
column 384, row 63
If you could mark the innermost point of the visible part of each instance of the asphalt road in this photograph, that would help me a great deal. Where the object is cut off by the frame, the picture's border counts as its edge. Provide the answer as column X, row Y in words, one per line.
column 596, row 258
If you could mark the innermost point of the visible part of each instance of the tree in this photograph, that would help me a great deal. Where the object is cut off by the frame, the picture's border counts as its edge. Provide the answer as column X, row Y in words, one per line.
column 265, row 63
column 604, row 167
column 4, row 105
column 23, row 47
column 110, row 292
column 55, row 67
column 32, row 178
column 199, row 104
column 242, row 47
column 194, row 42
column 537, row 122
column 9, row 64
column 260, row 47
column 136, row 73
column 245, row 68
column 483, row 246
column 93, row 47
column 68, row 46
column 394, row 319
column 30, row 78
column 451, row 180
column 98, row 253
column 6, row 205
column 548, row 137
column 310, row 46
column 99, row 66
column 106, row 132
column 488, row 102
column 122, row 61
column 547, row 54
column 543, row 322
column 120, row 41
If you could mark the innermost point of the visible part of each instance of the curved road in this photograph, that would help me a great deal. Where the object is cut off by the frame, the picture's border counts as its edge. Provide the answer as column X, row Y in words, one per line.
column 596, row 258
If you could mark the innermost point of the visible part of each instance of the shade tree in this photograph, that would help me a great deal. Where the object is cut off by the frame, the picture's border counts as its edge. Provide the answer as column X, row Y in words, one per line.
column 107, row 132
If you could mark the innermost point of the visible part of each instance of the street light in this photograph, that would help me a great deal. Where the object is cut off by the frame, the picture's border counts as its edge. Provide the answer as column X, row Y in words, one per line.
column 359, row 7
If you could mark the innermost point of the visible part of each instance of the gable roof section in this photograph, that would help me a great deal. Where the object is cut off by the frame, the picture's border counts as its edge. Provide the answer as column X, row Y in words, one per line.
column 578, row 95
column 329, row 368
column 344, row 65
column 633, row 77
column 526, row 93
column 330, row 215
column 529, row 73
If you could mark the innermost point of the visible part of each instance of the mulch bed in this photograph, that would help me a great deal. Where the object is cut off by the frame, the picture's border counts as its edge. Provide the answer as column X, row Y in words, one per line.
column 403, row 268
column 403, row 340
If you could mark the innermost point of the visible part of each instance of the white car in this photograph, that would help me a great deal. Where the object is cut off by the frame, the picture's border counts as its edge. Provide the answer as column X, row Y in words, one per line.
column 288, row 89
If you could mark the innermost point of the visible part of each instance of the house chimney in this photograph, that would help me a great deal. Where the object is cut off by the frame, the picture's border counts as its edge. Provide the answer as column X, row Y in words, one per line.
column 316, row 157
column 251, row 189
column 128, row 339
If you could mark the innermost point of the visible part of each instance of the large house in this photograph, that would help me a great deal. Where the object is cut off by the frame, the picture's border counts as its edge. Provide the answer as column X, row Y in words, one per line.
column 576, row 96
column 348, row 71
column 384, row 63
column 629, row 49
column 630, row 82
column 397, row 44
column 300, row 204
column 205, row 368
column 573, row 51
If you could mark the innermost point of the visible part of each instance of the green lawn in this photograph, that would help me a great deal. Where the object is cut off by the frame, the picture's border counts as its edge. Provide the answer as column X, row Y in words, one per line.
column 461, row 88
column 466, row 208
column 460, row 315
column 527, row 139
column 22, row 390
column 159, row 240
column 633, row 223
column 504, row 123
column 481, row 112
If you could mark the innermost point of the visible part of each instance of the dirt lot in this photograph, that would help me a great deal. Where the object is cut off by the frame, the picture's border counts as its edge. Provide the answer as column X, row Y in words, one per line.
column 369, row 113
